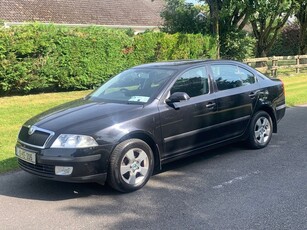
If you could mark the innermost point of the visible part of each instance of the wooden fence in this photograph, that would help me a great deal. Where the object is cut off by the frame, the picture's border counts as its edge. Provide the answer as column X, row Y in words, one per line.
column 271, row 63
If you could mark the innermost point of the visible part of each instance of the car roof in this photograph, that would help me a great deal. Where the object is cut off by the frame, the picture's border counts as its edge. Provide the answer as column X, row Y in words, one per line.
column 178, row 64
column 182, row 64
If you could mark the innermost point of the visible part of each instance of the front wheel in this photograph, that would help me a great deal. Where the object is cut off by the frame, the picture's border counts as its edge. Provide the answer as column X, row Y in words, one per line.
column 260, row 130
column 131, row 165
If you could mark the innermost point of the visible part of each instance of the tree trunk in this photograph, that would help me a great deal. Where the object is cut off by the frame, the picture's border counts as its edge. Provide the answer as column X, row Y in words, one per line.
column 303, row 39
column 214, row 13
column 261, row 47
column 261, row 52
column 301, row 16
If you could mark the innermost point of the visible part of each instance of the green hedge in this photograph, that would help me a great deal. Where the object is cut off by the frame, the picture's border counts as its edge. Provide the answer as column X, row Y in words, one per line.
column 46, row 58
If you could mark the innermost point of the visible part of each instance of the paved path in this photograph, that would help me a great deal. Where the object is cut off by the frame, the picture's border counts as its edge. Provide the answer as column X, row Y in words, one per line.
column 228, row 188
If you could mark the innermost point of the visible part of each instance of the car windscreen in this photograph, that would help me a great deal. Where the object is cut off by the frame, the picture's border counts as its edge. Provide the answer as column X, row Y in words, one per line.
column 133, row 86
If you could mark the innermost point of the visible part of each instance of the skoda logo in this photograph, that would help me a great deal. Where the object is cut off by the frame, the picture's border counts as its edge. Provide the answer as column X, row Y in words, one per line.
column 31, row 130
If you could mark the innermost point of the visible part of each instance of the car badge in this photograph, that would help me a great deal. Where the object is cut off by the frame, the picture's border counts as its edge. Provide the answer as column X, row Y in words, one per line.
column 31, row 130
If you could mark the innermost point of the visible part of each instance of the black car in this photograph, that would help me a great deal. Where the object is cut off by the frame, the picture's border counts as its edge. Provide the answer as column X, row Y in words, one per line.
column 150, row 115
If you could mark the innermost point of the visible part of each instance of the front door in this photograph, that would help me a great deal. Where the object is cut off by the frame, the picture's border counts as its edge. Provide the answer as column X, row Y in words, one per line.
column 188, row 126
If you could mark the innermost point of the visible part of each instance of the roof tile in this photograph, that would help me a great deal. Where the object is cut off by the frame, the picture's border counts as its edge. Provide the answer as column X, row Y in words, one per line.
column 100, row 12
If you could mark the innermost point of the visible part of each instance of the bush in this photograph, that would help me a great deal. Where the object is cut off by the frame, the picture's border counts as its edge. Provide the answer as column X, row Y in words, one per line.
column 287, row 42
column 237, row 46
column 151, row 47
column 36, row 57
column 183, row 17
column 45, row 58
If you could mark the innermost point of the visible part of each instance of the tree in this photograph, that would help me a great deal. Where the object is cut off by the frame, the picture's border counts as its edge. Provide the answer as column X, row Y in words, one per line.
column 301, row 15
column 267, row 20
column 220, row 18
column 228, row 17
column 183, row 17
column 286, row 43
column 231, row 15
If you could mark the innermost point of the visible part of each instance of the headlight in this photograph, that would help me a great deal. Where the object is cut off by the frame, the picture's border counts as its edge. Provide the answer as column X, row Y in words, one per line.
column 74, row 141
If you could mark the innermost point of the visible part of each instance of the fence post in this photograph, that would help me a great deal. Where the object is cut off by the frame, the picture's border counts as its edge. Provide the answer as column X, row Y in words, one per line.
column 274, row 67
column 300, row 61
column 297, row 69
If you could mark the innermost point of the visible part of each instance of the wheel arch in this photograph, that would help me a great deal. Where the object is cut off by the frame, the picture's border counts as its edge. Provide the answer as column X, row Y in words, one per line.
column 271, row 112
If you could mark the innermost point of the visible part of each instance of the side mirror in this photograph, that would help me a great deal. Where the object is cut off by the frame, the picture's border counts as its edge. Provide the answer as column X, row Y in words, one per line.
column 177, row 97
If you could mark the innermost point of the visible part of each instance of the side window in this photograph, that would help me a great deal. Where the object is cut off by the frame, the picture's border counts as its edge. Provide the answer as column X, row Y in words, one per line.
column 246, row 76
column 194, row 82
column 231, row 76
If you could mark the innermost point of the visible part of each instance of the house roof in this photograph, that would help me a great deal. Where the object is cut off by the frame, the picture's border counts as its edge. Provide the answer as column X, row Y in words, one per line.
column 99, row 12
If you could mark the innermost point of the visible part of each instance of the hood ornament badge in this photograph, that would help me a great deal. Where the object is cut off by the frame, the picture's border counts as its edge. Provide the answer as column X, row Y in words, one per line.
column 32, row 129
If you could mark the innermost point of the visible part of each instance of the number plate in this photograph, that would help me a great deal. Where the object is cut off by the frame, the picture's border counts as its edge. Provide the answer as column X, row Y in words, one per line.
column 26, row 155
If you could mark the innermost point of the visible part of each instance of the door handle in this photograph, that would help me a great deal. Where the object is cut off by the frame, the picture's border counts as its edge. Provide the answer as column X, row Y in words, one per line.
column 210, row 105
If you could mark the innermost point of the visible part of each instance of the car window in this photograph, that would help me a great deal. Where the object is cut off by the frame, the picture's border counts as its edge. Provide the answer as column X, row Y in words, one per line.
column 246, row 76
column 133, row 85
column 231, row 76
column 194, row 82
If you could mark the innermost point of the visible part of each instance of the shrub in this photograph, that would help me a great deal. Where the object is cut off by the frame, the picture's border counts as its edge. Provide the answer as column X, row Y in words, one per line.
column 44, row 58
column 287, row 42
column 237, row 46
column 151, row 47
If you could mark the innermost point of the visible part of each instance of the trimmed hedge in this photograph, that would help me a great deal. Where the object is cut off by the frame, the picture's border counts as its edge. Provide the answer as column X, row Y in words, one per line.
column 45, row 58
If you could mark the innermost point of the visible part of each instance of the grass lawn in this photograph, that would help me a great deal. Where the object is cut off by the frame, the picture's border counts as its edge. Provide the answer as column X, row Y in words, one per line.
column 296, row 88
column 14, row 111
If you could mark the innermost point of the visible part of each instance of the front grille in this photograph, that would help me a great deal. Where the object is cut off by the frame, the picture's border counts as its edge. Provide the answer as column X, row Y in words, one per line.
column 37, row 168
column 38, row 138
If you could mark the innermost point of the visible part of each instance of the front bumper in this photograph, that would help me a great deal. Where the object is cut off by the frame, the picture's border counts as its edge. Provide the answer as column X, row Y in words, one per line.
column 89, row 165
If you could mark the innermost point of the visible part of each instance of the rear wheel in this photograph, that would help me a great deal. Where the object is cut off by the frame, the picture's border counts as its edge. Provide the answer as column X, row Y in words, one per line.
column 260, row 130
column 131, row 165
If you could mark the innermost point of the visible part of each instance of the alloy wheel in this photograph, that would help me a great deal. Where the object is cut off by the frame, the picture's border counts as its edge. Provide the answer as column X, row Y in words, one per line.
column 262, row 130
column 134, row 166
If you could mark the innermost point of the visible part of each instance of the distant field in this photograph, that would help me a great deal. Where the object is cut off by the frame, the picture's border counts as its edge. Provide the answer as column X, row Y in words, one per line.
column 16, row 110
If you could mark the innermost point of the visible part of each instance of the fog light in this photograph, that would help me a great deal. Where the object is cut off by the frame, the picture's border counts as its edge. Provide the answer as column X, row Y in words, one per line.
column 63, row 170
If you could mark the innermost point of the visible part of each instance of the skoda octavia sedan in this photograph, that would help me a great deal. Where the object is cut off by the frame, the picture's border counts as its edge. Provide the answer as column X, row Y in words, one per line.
column 147, row 116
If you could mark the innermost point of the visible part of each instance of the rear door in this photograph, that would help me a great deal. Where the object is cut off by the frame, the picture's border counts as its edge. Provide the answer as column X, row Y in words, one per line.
column 237, row 92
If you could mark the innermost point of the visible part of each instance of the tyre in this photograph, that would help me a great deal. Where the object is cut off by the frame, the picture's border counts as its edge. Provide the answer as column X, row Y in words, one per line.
column 260, row 130
column 131, row 165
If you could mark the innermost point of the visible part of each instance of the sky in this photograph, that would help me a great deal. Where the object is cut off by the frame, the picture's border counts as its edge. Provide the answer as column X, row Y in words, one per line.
column 191, row 1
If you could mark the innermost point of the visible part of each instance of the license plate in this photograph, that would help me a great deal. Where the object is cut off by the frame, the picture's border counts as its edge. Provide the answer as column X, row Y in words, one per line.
column 25, row 155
